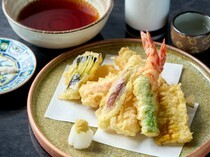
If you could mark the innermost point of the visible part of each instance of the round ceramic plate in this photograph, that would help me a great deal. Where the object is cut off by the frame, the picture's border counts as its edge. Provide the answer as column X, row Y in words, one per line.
column 53, row 135
column 17, row 64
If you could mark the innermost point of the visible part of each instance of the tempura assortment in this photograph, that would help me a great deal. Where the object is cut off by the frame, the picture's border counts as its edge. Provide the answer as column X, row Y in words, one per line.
column 130, row 96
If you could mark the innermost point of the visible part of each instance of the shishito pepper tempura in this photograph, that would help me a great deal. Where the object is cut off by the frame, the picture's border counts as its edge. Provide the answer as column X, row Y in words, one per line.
column 131, row 97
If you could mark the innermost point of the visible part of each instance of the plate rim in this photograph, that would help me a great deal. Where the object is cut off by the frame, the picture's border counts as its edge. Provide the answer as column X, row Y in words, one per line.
column 34, row 69
column 52, row 149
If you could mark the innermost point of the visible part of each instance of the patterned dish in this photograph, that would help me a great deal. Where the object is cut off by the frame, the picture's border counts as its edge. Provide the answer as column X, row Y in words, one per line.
column 17, row 64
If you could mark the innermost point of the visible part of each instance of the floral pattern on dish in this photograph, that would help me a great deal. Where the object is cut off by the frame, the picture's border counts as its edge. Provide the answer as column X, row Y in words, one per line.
column 17, row 64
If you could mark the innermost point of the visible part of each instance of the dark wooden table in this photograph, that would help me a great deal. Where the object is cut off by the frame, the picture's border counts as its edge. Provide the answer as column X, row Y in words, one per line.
column 16, row 137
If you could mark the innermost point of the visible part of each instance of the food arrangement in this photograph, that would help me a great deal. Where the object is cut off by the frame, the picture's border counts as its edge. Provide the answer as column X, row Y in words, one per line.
column 130, row 96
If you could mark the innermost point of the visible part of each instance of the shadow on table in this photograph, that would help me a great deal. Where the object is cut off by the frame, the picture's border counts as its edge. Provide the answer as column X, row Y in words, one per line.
column 37, row 146
column 16, row 99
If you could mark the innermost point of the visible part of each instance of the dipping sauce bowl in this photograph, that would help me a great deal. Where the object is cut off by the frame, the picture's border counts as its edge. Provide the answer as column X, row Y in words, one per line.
column 190, row 31
column 50, row 25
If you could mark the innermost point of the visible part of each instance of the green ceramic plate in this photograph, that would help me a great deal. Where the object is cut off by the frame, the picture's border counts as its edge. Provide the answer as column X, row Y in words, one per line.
column 52, row 134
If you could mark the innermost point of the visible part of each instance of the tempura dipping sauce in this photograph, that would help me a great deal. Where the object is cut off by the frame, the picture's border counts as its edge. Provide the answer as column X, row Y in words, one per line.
column 58, row 15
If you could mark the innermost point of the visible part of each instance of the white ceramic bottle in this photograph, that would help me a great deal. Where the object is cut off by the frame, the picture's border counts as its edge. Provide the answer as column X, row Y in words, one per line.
column 142, row 15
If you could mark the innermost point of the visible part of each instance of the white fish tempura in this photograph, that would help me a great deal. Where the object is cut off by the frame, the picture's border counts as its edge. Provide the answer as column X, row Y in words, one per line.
column 81, row 135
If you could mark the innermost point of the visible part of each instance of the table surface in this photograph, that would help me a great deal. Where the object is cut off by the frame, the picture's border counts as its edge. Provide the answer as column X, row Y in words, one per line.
column 16, row 136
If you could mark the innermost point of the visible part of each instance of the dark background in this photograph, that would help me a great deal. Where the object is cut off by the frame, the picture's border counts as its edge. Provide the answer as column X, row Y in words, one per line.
column 16, row 137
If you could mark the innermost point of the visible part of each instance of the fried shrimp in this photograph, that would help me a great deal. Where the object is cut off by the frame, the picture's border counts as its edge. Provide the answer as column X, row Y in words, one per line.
column 155, row 60
column 145, row 85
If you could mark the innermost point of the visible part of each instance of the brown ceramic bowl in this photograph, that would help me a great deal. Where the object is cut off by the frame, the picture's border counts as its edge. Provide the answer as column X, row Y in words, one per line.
column 190, row 31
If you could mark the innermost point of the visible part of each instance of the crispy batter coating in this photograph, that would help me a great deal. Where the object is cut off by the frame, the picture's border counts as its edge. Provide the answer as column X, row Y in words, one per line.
column 134, row 61
column 114, row 100
column 126, row 122
column 123, row 56
column 81, row 70
column 146, row 104
column 173, row 118
column 104, row 71
column 92, row 92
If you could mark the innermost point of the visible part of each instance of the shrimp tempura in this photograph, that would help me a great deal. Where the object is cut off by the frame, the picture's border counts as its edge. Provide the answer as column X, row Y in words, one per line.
column 145, row 85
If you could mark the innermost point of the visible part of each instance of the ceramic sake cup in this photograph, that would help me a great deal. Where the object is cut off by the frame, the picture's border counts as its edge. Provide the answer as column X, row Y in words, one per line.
column 190, row 31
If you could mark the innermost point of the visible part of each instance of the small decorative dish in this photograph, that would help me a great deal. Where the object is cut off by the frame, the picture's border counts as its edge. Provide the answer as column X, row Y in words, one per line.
column 17, row 64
